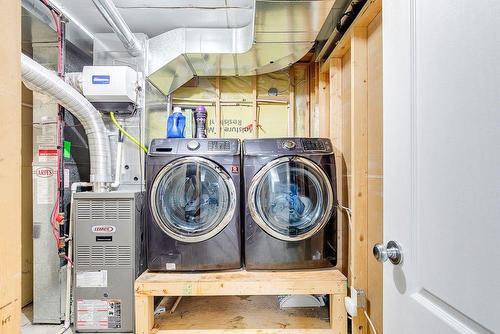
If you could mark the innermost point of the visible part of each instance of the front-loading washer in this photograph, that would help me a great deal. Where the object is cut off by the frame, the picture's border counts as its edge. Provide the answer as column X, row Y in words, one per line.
column 289, row 193
column 193, row 192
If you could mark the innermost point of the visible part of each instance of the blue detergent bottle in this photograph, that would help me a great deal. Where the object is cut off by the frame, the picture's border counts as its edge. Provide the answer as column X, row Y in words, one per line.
column 175, row 124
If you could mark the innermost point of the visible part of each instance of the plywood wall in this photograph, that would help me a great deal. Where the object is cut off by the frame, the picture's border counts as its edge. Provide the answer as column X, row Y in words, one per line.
column 10, row 168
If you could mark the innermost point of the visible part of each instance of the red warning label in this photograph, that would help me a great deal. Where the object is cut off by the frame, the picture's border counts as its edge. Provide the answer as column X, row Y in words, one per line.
column 235, row 169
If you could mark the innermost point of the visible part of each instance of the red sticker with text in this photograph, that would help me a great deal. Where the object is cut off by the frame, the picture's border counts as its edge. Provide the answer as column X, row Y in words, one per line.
column 235, row 169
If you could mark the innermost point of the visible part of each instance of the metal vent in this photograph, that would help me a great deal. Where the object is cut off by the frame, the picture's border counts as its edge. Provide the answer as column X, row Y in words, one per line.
column 118, row 209
column 111, row 256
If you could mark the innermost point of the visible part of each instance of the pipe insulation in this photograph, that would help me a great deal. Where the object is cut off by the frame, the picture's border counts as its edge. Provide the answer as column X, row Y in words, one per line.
column 111, row 14
column 39, row 79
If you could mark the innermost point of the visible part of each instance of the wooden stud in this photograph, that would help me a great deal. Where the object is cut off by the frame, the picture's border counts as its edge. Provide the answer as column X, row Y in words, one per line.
column 324, row 103
column 218, row 132
column 291, row 103
column 338, row 314
column 255, row 117
column 307, row 116
column 359, row 165
column 144, row 308
column 336, row 136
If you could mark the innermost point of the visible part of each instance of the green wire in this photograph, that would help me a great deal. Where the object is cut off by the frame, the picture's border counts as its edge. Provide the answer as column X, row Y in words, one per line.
column 128, row 135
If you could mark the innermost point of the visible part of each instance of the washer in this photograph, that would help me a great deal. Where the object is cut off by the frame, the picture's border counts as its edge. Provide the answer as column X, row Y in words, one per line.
column 193, row 221
column 289, row 187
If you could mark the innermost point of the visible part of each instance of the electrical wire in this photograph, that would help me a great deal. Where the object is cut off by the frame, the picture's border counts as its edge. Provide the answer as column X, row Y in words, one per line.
column 370, row 322
column 128, row 135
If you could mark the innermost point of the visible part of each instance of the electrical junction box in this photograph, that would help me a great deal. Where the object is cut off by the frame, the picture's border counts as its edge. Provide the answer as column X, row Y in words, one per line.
column 109, row 256
column 104, row 84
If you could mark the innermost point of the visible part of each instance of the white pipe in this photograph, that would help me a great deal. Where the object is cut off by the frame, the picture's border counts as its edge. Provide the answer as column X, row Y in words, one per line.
column 40, row 79
column 118, row 166
column 111, row 14
column 69, row 267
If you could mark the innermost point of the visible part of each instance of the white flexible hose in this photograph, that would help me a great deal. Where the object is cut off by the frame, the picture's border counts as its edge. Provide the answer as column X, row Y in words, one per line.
column 40, row 79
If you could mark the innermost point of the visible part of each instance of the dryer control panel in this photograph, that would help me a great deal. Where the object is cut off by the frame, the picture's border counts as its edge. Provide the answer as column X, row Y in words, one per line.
column 287, row 146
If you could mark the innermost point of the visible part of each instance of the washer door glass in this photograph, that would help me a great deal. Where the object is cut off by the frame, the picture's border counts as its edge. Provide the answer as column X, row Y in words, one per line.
column 291, row 198
column 193, row 199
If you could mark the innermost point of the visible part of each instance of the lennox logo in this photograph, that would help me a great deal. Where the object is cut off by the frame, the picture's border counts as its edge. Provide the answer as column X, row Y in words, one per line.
column 45, row 172
column 103, row 229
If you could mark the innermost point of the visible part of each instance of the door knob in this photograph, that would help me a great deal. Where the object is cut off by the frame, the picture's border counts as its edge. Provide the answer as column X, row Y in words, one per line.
column 392, row 252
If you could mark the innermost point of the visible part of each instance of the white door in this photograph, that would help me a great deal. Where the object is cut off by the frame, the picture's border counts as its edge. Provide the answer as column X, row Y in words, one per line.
column 442, row 165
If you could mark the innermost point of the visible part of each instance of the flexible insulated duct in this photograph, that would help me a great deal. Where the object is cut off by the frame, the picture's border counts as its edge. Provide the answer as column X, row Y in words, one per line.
column 42, row 80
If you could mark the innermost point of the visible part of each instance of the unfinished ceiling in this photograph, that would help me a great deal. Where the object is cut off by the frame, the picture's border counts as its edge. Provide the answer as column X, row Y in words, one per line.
column 270, row 34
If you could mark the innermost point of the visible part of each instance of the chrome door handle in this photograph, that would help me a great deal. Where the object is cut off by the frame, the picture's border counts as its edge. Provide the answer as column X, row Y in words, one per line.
column 392, row 252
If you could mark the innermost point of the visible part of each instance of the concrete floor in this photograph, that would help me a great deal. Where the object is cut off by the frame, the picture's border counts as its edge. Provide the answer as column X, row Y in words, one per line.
column 28, row 328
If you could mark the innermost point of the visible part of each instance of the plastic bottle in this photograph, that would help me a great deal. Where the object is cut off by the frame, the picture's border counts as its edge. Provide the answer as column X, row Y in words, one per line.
column 200, row 117
column 175, row 124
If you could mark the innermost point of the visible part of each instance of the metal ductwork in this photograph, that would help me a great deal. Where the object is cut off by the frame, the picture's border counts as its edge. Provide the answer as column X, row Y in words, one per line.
column 38, row 78
column 274, row 35
column 121, row 29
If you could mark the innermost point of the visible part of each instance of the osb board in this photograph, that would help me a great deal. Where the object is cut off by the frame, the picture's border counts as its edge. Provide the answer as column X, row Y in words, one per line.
column 239, row 312
column 10, row 168
column 375, row 168
column 241, row 282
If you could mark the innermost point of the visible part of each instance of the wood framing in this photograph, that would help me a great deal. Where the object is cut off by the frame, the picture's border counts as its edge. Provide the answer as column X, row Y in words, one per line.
column 218, row 132
column 355, row 130
column 241, row 283
column 10, row 168
column 291, row 103
column 359, row 164
column 324, row 103
column 255, row 108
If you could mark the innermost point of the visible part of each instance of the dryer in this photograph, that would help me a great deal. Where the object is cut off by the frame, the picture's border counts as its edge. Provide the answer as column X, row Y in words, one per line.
column 193, row 221
column 290, row 217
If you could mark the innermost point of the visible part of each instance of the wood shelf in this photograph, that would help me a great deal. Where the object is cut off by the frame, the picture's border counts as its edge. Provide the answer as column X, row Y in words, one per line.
column 240, row 302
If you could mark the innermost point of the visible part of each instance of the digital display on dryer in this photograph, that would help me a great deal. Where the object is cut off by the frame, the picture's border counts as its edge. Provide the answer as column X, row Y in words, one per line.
column 313, row 145
column 219, row 145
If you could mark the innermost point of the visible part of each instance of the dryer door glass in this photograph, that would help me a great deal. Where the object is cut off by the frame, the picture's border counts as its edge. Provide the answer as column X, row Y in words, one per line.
column 193, row 199
column 291, row 198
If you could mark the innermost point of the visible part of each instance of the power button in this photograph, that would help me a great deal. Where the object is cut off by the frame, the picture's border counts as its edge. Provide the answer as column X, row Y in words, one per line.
column 193, row 145
column 289, row 144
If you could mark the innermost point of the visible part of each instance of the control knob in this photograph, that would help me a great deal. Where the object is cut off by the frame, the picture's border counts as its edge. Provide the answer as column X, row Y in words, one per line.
column 289, row 144
column 193, row 145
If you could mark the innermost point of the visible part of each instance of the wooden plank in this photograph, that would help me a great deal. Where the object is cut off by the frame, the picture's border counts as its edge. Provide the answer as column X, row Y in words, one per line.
column 10, row 167
column 144, row 308
column 307, row 116
column 245, row 331
column 218, row 132
column 241, row 283
column 291, row 105
column 359, row 172
column 255, row 117
column 336, row 136
column 374, row 292
column 324, row 103
column 242, row 313
column 338, row 314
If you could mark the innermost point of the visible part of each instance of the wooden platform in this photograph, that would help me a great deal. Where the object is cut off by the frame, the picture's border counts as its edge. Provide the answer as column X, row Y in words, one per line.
column 240, row 302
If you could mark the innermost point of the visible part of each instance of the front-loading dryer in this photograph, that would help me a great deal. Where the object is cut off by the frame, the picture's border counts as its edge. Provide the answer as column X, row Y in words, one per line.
column 193, row 189
column 290, row 217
